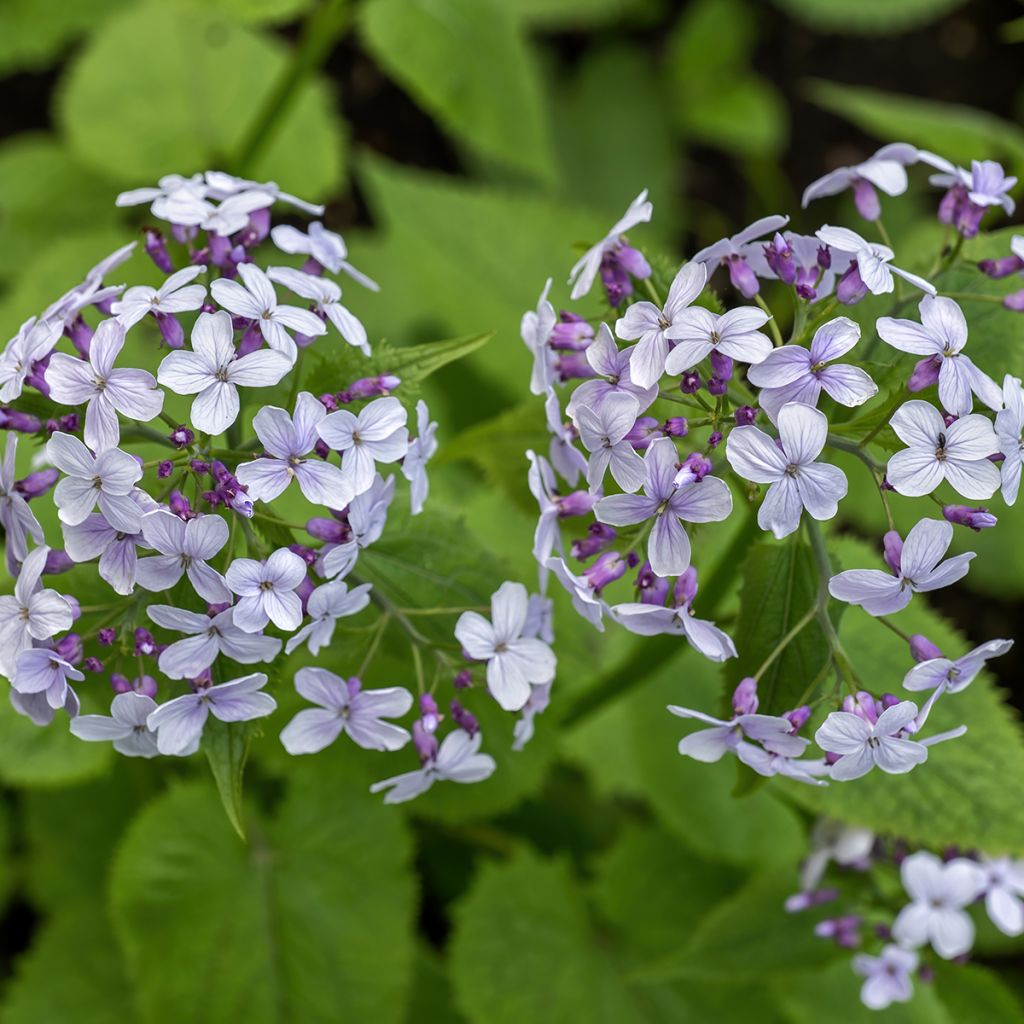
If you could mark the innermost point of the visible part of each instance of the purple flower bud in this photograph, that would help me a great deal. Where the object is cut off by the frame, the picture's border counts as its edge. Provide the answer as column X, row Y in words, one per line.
column 599, row 536
column 778, row 254
column 464, row 719
column 606, row 569
column 643, row 431
column 926, row 373
column 745, row 415
column 824, row 257
column 976, row 519
column 676, row 426
column 371, row 387
column 429, row 715
column 36, row 484
column 199, row 466
column 252, row 340
column 69, row 423
column 865, row 198
column 850, row 288
column 165, row 469
column 714, row 439
column 807, row 900
column 922, row 649
column 716, row 386
column 806, row 283
column 213, row 610
column 183, row 233
column 1015, row 301
column 892, row 550
column 146, row 685
column 743, row 279
column 798, row 717
column 106, row 636
column 577, row 503
column 925, row 973
column 329, row 530
column 424, row 741
column 69, row 647
column 863, row 705
column 120, row 683
column 690, row 382
column 634, row 261
column 257, row 229
column 697, row 467
column 1002, row 267
column 308, row 555
column 651, row 588
column 92, row 664
column 353, row 684
column 80, row 334
column 180, row 506
column 58, row 561
column 312, row 266
column 144, row 642
column 463, row 680
column 304, row 590
column 685, row 589
column 156, row 250
column 722, row 366
column 328, row 401
column 573, row 366
column 949, row 419
column 571, row 334
column 181, row 437
column 744, row 697
column 23, row 423
column 889, row 700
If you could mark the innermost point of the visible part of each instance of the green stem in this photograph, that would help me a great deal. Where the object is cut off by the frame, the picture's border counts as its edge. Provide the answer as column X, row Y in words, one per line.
column 974, row 297
column 884, row 422
column 895, row 629
column 772, row 325
column 786, row 641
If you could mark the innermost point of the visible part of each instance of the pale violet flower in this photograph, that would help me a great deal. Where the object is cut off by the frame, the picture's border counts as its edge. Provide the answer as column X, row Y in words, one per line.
column 796, row 481
column 213, row 372
column 615, row 376
column 34, row 340
column 178, row 723
column 873, row 260
column 42, row 671
column 90, row 292
column 705, row 501
column 326, row 247
column 232, row 214
column 107, row 480
column 221, row 185
column 327, row 604
column 885, row 171
column 514, row 662
column 126, row 726
column 117, row 550
column 422, row 449
column 535, row 329
column 649, row 326
column 775, row 734
column 1004, row 893
column 377, row 434
column 522, row 731
column 546, row 536
column 585, row 599
column 176, row 295
column 958, row 453
column 208, row 637
column 887, row 977
column 266, row 591
column 921, row 569
column 17, row 519
column 344, row 707
column 939, row 894
column 184, row 548
column 986, row 184
column 795, row 374
column 862, row 745
column 30, row 613
column 654, row 620
column 603, row 432
column 733, row 252
column 288, row 442
column 1009, row 428
column 458, row 759
column 367, row 516
column 108, row 391
column 940, row 337
column 168, row 186
column 256, row 300
column 698, row 333
column 565, row 457
column 768, row 764
column 847, row 845
column 585, row 270
column 327, row 297
column 954, row 676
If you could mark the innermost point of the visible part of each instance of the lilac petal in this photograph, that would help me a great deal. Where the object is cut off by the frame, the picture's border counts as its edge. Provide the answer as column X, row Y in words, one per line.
column 977, row 480
column 323, row 484
column 781, row 508
column 755, row 456
column 311, row 731
column 708, row 745
column 782, row 366
column 668, row 548
column 625, row 509
column 178, row 723
column 918, row 424
column 803, row 431
column 853, row 766
column 914, row 472
column 242, row 707
column 186, row 659
column 266, row 479
column 897, row 757
column 806, row 391
column 821, row 488
column 925, row 545
column 834, row 339
column 208, row 583
column 945, row 573
column 848, row 385
column 708, row 501
column 843, row 733
column 158, row 572
column 877, row 592
column 955, row 387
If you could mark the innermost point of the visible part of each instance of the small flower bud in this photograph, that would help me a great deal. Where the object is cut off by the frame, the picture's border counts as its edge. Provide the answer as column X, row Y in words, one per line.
column 651, row 588
column 606, row 569
column 850, row 288
column 685, row 589
column 714, row 439
column 976, row 519
column 120, row 683
column 144, row 642
column 424, row 741
column 599, row 536
column 106, row 636
column 463, row 680
column 329, row 530
column 69, row 647
column 92, row 664
column 464, row 719
column 165, row 469
column 181, row 437
column 58, row 561
column 744, row 697
column 716, row 386
column 892, row 549
column 922, row 649
column 36, row 484
column 798, row 717
column 690, row 382
column 745, row 415
column 156, row 250
column 676, row 426
column 925, row 374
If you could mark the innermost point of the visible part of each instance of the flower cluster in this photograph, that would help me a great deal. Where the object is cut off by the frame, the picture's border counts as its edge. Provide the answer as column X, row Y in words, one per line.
column 672, row 407
column 208, row 577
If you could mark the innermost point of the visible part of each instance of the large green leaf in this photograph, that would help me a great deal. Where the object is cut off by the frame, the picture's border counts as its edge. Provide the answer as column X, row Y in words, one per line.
column 869, row 16
column 467, row 63
column 36, row 31
column 310, row 922
column 166, row 87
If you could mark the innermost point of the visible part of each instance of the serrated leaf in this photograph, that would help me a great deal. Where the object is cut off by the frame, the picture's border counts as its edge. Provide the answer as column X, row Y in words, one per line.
column 872, row 17
column 414, row 363
column 226, row 745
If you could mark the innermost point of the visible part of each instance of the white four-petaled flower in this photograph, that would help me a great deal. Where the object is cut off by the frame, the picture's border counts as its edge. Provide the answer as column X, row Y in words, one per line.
column 266, row 591
column 582, row 275
column 184, row 548
column 458, row 759
column 377, row 434
column 698, row 333
column 176, row 295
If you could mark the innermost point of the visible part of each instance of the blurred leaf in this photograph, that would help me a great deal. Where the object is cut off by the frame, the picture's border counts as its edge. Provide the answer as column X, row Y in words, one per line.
column 292, row 927
column 956, row 132
column 36, row 31
column 868, row 16
column 976, row 995
column 432, row 999
column 256, row 12
column 205, row 79
column 226, row 745
column 966, row 793
column 414, row 363
column 467, row 63
column 553, row 15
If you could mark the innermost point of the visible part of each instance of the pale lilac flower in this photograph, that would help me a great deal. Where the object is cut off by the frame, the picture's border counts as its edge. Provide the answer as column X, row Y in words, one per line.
column 367, row 516
column 603, row 433
column 107, row 391
column 941, row 337
column 208, row 638
column 107, row 479
column 232, row 214
column 733, row 252
column 585, row 270
column 863, row 745
column 724, row 737
column 288, row 441
column 17, row 519
column 939, row 892
column 649, row 326
column 971, row 192
column 585, row 598
column 43, row 671
column 126, row 726
column 345, row 707
column 514, row 662
column 30, row 613
column 1009, row 428
column 116, row 549
column 920, row 569
column 257, row 301
column 170, row 185
column 326, row 247
column 421, row 450
column 221, row 185
column 847, row 845
column 176, row 295
column 565, row 457
column 1004, row 893
column 377, row 434
column 457, row 760
column 34, row 340
column 178, row 723
column 213, row 372
column 535, row 329
column 954, row 676
column 325, row 606
column 185, row 548
column 872, row 260
column 615, row 375
column 90, row 291
column 698, row 333
column 768, row 764
column 958, row 453
column 798, row 260
column 705, row 501
column 267, row 591
column 796, row 480
column 522, row 731
column 887, row 977
column 327, row 297
column 886, row 171
column 795, row 374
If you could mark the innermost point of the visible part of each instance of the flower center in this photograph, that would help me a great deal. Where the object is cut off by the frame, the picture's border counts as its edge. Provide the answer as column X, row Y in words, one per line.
column 266, row 585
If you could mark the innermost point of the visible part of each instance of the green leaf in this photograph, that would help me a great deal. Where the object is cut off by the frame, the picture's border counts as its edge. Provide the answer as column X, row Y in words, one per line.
column 568, row 14
column 37, row 31
column 870, row 17
column 780, row 586
column 957, row 132
column 975, row 995
column 293, row 927
column 205, row 76
column 226, row 745
column 466, row 62
column 414, row 363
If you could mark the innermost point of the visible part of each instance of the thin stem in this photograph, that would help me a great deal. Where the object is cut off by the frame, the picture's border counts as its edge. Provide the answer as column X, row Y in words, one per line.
column 884, row 422
column 445, row 611
column 653, row 293
column 381, row 628
column 895, row 629
column 772, row 325
column 786, row 641
column 974, row 297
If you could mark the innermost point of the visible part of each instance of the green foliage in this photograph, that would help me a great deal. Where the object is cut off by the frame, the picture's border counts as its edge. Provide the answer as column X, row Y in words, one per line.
column 467, row 63
column 869, row 17
column 206, row 77
column 975, row 995
column 36, row 31
column 290, row 927
column 226, row 745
